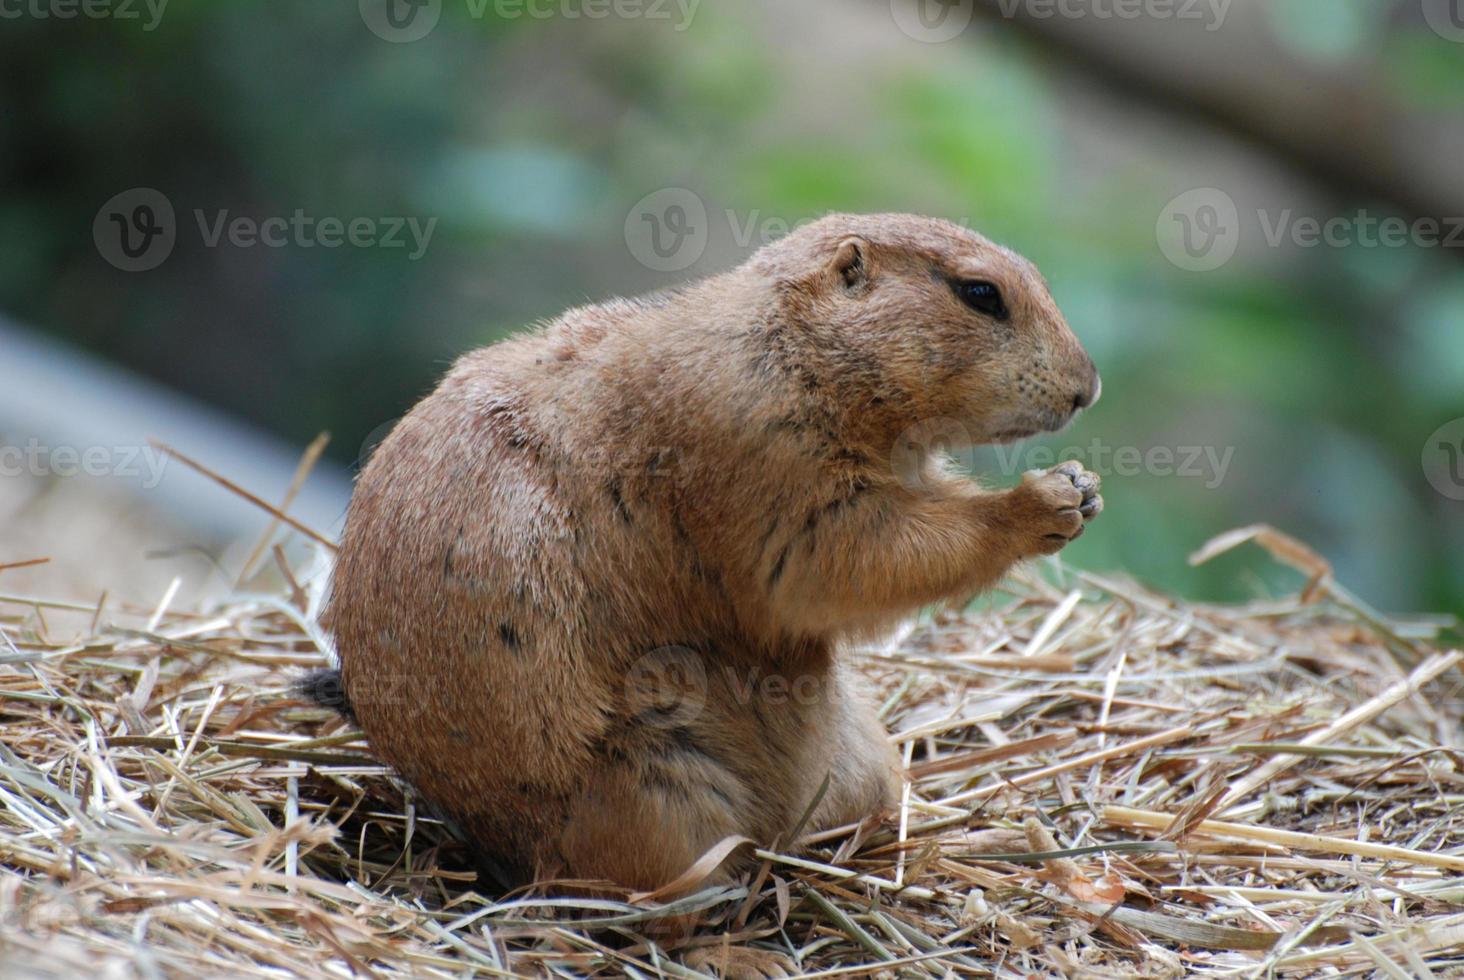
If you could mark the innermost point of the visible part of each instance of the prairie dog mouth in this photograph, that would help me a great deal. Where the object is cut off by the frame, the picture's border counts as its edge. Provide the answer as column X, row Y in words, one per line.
column 1012, row 435
column 1051, row 422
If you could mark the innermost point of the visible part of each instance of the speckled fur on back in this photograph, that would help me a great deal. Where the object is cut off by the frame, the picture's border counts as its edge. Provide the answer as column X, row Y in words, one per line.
column 692, row 491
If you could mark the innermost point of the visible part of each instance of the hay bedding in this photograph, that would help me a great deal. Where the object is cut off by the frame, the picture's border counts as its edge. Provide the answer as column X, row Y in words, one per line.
column 1107, row 783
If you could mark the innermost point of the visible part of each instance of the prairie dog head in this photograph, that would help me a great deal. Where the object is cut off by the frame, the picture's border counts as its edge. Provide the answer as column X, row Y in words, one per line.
column 936, row 319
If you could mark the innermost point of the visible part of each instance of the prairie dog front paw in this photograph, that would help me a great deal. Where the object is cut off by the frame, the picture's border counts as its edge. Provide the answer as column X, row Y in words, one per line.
column 1054, row 506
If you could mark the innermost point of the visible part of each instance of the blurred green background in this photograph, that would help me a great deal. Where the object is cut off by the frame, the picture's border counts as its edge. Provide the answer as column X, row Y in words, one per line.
column 1317, row 373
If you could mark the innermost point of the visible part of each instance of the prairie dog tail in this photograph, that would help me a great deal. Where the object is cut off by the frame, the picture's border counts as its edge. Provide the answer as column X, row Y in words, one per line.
column 325, row 689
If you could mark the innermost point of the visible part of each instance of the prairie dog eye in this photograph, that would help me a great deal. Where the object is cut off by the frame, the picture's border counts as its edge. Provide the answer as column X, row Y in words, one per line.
column 983, row 297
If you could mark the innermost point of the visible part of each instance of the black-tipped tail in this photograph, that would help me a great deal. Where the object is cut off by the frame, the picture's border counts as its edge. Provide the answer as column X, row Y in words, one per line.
column 325, row 689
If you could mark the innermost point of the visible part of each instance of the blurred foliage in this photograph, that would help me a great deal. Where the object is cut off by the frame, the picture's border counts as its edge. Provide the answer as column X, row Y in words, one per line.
column 530, row 141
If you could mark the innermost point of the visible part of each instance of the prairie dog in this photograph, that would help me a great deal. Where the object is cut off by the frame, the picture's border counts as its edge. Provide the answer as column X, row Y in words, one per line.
column 591, row 590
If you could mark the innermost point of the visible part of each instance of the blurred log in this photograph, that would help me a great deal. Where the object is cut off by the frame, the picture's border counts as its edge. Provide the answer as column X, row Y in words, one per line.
column 1331, row 124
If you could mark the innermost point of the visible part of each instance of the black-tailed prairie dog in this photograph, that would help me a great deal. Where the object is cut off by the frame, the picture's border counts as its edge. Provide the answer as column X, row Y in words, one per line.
column 592, row 590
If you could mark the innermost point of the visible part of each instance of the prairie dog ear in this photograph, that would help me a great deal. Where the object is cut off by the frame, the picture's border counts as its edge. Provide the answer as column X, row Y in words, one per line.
column 851, row 262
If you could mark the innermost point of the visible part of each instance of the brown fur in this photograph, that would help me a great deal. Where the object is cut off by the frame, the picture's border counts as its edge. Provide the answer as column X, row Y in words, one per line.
column 591, row 588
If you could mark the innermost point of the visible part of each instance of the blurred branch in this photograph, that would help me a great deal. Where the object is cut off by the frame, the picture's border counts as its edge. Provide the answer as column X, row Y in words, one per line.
column 1340, row 139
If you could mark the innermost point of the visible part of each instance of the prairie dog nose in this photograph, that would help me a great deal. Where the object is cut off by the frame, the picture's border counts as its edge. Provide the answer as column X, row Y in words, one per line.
column 1084, row 399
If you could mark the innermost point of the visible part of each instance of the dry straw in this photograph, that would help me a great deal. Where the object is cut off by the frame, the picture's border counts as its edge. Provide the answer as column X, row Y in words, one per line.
column 1106, row 782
